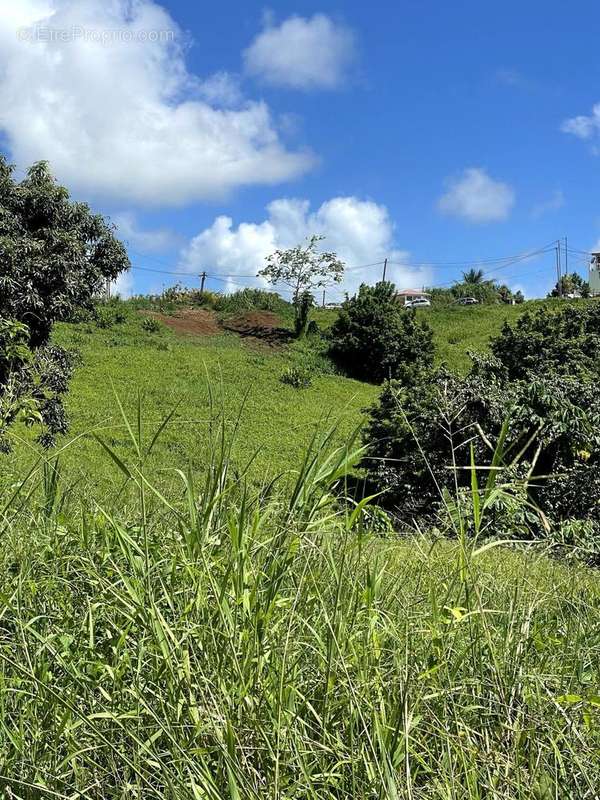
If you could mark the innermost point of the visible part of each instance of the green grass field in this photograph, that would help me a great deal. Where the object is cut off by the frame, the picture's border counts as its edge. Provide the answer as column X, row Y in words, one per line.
column 169, row 629
column 203, row 378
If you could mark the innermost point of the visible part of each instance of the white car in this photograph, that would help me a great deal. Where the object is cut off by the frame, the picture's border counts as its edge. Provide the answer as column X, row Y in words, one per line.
column 418, row 302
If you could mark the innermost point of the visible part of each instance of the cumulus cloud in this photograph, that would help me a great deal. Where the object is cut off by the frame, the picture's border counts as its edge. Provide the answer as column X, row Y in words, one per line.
column 101, row 90
column 584, row 127
column 360, row 231
column 149, row 241
column 476, row 197
column 302, row 53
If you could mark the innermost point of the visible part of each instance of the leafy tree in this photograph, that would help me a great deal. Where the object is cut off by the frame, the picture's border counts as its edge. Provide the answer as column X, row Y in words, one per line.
column 375, row 338
column 303, row 268
column 55, row 257
column 473, row 276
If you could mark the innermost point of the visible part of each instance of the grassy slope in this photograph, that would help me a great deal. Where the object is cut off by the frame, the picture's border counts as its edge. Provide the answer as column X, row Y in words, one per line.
column 276, row 660
column 277, row 421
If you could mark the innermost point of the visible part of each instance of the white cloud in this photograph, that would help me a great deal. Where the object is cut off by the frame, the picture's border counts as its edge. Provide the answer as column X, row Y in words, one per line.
column 302, row 53
column 110, row 103
column 222, row 89
column 554, row 203
column 476, row 197
column 582, row 126
column 360, row 231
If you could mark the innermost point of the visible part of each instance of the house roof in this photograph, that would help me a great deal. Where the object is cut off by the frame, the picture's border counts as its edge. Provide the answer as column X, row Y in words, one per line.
column 412, row 293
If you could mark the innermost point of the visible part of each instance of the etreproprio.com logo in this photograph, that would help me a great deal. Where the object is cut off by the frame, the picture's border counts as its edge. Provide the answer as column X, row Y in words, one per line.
column 48, row 35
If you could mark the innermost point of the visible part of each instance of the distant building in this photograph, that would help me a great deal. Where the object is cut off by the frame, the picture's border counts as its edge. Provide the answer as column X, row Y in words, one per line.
column 595, row 274
column 405, row 295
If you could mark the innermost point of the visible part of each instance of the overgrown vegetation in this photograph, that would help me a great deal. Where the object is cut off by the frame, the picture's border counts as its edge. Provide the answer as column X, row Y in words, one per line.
column 538, row 391
column 221, row 641
column 374, row 338
column 55, row 257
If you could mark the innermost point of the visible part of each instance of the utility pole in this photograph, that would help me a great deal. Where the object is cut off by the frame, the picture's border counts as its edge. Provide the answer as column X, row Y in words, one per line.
column 384, row 269
column 566, row 257
column 202, row 279
column 323, row 298
column 559, row 282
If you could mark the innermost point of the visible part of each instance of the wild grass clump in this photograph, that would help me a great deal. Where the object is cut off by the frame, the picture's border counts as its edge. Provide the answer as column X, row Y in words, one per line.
column 238, row 642
column 253, row 300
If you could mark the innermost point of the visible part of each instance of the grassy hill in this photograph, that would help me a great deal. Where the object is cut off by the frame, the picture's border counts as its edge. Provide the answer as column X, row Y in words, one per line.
column 207, row 372
column 205, row 377
column 169, row 630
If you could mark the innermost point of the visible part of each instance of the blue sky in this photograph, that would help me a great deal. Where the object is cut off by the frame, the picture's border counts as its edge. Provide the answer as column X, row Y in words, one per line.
column 434, row 134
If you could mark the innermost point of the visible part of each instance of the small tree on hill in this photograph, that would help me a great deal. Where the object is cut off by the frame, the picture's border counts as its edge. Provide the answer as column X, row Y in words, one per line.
column 55, row 257
column 303, row 268
column 375, row 338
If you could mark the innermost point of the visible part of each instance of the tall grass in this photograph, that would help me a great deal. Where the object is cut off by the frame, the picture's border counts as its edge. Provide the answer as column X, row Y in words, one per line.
column 238, row 642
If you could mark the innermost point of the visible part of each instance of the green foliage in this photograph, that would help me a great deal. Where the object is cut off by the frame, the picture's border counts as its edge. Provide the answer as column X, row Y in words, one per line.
column 486, row 292
column 252, row 300
column 31, row 384
column 473, row 276
column 374, row 338
column 228, row 641
column 297, row 377
column 303, row 306
column 151, row 325
column 565, row 342
column 55, row 257
column 542, row 378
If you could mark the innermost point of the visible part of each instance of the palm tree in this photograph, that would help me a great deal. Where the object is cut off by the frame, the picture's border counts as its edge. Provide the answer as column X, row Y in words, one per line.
column 473, row 276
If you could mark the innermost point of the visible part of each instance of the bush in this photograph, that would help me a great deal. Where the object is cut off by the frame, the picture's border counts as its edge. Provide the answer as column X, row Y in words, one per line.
column 542, row 379
column 297, row 377
column 375, row 338
column 151, row 325
column 32, row 384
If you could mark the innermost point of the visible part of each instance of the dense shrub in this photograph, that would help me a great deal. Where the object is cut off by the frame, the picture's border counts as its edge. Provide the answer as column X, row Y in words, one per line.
column 375, row 338
column 542, row 378
column 31, row 384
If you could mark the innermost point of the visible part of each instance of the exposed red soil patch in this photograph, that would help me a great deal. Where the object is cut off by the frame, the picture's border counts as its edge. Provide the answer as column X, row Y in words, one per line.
column 196, row 321
column 263, row 325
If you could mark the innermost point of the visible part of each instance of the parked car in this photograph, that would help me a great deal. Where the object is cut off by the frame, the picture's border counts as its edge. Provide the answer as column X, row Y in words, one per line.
column 418, row 302
column 466, row 301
